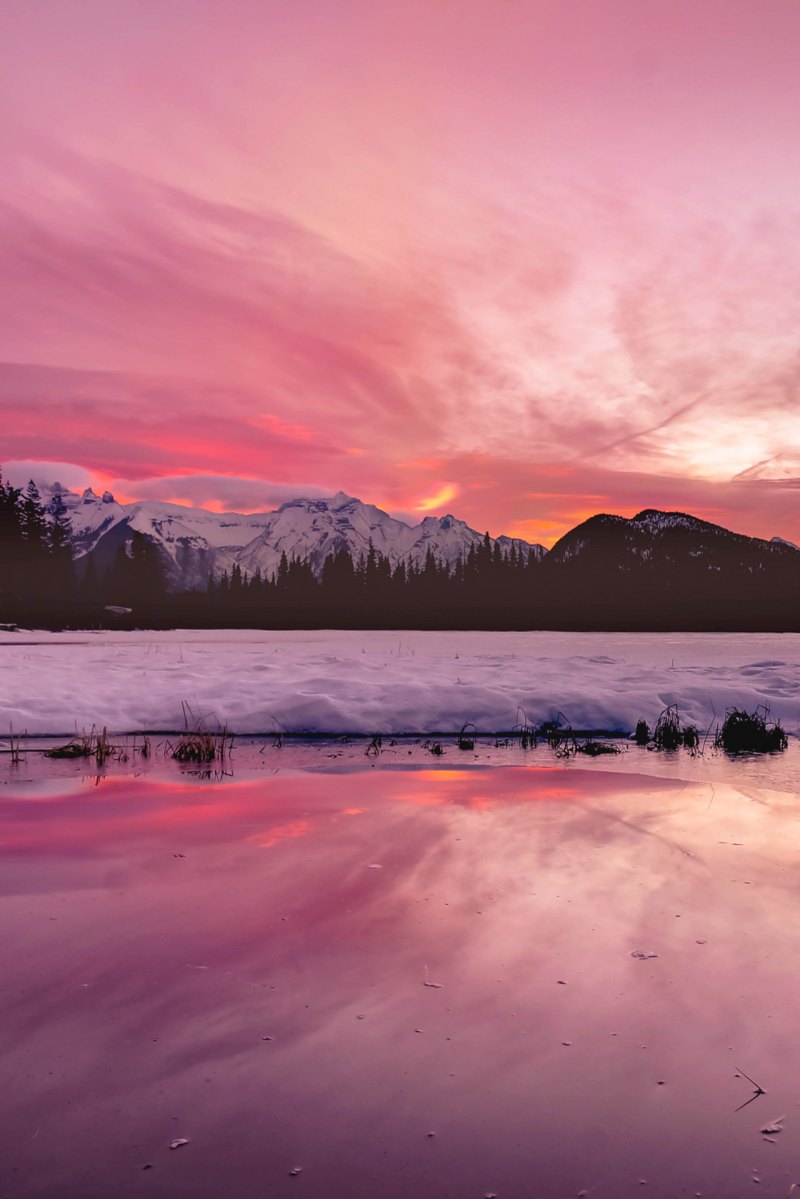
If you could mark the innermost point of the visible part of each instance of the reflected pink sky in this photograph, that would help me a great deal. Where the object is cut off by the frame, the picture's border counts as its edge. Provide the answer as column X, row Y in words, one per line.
column 95, row 816
column 523, row 260
column 263, row 994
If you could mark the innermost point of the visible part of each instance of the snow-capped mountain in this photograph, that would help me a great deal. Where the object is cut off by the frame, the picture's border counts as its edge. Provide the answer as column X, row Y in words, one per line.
column 197, row 543
column 314, row 529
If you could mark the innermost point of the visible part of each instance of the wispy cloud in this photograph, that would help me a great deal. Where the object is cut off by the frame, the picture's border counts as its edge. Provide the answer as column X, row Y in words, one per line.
column 423, row 254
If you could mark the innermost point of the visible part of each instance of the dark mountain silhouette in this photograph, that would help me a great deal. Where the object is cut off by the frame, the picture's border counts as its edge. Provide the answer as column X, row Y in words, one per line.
column 670, row 570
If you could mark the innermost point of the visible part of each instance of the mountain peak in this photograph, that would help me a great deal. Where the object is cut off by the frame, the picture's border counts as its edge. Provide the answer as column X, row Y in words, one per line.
column 655, row 520
column 330, row 503
column 341, row 499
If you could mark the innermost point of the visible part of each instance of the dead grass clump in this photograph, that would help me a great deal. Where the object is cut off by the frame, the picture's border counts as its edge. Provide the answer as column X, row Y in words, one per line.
column 552, row 733
column 87, row 745
column 73, row 749
column 196, row 744
column 523, row 730
column 197, row 747
column 78, row 747
column 668, row 733
column 595, row 749
column 570, row 745
column 466, row 739
column 558, row 733
column 691, row 738
column 750, row 732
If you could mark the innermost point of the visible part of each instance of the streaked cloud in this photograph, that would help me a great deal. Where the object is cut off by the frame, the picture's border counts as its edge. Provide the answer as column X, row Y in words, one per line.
column 430, row 255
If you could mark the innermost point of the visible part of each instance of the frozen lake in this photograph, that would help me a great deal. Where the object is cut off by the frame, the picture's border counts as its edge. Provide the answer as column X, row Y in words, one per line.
column 387, row 682
column 243, row 963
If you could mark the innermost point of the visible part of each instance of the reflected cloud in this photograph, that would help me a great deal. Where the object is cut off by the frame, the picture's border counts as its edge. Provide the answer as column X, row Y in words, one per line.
column 144, row 926
column 282, row 832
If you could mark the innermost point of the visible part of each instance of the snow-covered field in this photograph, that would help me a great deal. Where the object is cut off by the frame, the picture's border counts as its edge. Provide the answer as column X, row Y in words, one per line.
column 367, row 682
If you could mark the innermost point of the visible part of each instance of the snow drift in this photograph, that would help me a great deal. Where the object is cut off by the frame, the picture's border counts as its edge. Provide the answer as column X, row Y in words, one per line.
column 391, row 682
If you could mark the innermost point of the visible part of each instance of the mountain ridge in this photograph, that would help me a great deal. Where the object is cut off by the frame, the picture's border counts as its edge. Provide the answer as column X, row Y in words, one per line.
column 656, row 548
column 338, row 562
column 660, row 526
column 197, row 544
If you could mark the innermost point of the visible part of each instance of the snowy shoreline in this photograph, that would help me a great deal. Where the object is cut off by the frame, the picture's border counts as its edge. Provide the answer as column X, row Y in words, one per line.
column 337, row 682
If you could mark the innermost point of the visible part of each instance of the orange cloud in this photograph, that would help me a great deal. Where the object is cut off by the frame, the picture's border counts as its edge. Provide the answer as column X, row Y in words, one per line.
column 443, row 496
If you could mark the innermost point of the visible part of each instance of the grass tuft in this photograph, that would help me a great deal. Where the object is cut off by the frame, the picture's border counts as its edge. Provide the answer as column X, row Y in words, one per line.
column 642, row 734
column 78, row 747
column 691, row 738
column 87, row 745
column 198, row 747
column 466, row 739
column 375, row 746
column 525, row 731
column 668, row 733
column 750, row 732
column 595, row 749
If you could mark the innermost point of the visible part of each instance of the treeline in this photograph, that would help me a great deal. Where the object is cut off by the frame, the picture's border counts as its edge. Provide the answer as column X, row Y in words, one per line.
column 36, row 569
column 495, row 589
column 489, row 587
column 667, row 584
column 42, row 583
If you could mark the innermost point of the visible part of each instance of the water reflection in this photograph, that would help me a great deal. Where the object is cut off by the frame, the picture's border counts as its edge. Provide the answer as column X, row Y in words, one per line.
column 100, row 811
column 245, row 965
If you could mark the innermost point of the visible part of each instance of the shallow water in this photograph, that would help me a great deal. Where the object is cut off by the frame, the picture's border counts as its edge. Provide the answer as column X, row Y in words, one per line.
column 268, row 755
column 243, row 964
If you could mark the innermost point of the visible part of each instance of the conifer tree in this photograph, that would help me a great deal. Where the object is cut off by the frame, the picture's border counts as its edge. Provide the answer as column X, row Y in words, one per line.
column 60, row 544
column 35, row 536
column 10, row 532
column 33, row 520
column 283, row 572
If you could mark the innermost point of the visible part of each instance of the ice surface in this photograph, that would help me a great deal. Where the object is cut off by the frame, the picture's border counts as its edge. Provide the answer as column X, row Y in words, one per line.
column 391, row 682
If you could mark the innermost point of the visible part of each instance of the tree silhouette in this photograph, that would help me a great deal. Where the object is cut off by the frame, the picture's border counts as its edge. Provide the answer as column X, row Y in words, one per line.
column 137, row 577
column 59, row 540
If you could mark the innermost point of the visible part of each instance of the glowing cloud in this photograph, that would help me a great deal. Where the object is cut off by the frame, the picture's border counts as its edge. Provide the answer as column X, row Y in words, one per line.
column 443, row 496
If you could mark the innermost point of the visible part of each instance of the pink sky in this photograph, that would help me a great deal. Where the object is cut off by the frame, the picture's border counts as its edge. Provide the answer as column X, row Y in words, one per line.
column 522, row 260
